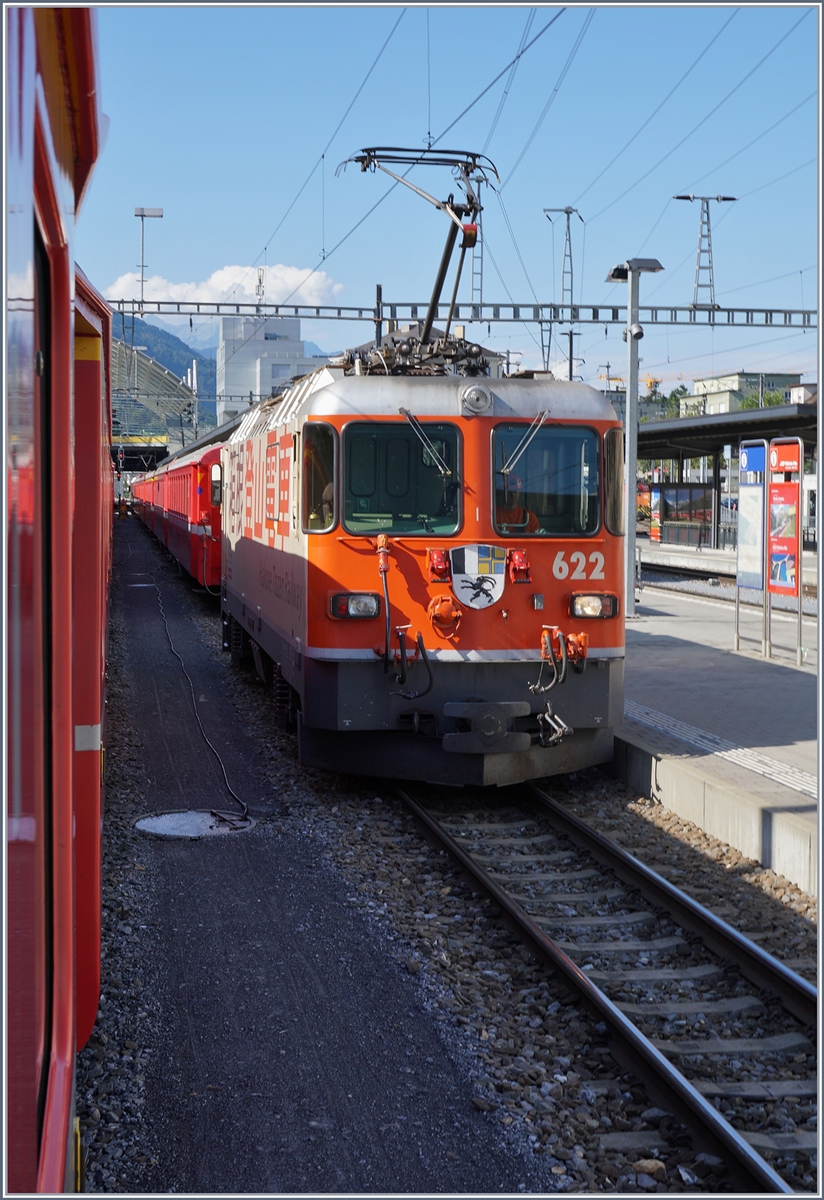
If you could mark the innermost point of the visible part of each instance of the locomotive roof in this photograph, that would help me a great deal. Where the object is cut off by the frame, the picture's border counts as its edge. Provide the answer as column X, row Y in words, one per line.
column 329, row 392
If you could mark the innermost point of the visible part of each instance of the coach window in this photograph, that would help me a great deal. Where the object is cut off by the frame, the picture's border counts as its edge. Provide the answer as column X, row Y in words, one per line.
column 548, row 485
column 216, row 485
column 614, row 480
column 396, row 481
column 318, row 477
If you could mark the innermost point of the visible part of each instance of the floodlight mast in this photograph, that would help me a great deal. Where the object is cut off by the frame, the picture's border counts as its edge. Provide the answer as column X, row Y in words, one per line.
column 143, row 213
column 464, row 163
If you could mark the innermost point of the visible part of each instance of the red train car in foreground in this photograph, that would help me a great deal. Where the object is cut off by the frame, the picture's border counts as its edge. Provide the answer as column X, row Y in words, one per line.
column 180, row 503
column 59, row 496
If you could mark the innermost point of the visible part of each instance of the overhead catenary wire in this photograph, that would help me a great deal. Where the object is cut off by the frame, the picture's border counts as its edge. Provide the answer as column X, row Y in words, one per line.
column 500, row 75
column 658, row 108
column 786, row 337
column 773, row 279
column 435, row 141
column 389, row 190
column 506, row 289
column 704, row 119
column 510, row 80
column 570, row 59
column 758, row 138
column 306, row 181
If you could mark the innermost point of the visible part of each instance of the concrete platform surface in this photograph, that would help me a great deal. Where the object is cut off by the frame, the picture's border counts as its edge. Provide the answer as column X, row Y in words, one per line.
column 725, row 739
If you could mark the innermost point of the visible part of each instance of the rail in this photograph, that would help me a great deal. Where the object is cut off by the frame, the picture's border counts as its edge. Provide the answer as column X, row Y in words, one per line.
column 630, row 1046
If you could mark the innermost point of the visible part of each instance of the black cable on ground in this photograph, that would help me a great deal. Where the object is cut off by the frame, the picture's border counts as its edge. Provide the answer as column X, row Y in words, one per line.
column 244, row 806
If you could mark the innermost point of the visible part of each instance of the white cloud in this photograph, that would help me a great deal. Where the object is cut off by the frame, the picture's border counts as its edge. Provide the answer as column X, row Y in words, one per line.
column 233, row 283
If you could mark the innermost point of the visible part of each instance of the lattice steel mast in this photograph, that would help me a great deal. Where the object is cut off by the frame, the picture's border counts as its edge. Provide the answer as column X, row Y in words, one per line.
column 703, row 261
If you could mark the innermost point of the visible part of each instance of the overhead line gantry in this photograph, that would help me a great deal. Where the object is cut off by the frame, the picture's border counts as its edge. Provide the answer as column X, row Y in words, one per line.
column 486, row 313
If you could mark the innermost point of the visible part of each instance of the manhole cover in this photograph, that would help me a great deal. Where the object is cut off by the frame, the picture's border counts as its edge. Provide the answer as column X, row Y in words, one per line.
column 192, row 824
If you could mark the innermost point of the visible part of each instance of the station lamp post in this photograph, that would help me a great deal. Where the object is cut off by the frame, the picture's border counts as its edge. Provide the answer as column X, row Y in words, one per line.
column 143, row 213
column 631, row 270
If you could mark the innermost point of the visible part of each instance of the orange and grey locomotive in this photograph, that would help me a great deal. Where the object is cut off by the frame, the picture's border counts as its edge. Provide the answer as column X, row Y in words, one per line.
column 429, row 567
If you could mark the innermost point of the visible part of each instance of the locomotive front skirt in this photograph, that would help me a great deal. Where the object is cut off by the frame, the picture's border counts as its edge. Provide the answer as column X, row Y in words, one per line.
column 431, row 566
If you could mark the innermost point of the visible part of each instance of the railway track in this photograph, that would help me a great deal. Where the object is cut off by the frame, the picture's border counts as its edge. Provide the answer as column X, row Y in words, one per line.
column 721, row 1034
column 660, row 573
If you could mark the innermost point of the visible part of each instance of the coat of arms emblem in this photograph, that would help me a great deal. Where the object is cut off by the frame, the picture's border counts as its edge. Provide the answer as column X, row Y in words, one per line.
column 478, row 574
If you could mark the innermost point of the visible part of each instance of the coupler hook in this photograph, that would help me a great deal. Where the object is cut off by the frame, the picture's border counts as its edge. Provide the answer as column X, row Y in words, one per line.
column 552, row 727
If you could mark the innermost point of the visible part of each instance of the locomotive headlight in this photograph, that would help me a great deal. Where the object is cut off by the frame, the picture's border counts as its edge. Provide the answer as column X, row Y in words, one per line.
column 356, row 604
column 587, row 605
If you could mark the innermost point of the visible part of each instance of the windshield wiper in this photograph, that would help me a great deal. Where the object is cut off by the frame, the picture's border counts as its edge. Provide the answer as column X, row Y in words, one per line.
column 509, row 465
column 418, row 428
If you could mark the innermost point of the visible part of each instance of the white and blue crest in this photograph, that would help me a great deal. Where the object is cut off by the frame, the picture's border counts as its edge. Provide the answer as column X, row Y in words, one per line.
column 478, row 574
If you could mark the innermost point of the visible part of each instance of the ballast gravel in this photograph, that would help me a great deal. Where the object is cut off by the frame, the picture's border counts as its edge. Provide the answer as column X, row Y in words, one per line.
column 536, row 1065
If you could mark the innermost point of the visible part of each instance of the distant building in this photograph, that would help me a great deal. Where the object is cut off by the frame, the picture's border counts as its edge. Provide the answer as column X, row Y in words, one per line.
column 726, row 393
column 256, row 357
column 650, row 408
column 804, row 393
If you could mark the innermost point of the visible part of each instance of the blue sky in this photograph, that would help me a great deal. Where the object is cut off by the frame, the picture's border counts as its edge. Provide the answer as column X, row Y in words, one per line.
column 219, row 115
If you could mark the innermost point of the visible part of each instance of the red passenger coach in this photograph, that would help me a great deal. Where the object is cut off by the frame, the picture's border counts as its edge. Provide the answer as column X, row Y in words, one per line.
column 59, row 500
column 180, row 503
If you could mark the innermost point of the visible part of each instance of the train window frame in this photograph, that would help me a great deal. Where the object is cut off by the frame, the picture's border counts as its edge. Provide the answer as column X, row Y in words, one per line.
column 308, row 430
column 216, row 478
column 614, row 482
column 523, row 424
column 387, row 423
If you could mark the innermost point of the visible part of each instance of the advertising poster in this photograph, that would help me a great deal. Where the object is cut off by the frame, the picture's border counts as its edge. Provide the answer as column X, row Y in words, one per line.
column 655, row 514
column 750, row 566
column 783, row 543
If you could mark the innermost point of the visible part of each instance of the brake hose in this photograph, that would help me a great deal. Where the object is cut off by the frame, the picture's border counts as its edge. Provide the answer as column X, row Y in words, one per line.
column 386, row 611
column 425, row 660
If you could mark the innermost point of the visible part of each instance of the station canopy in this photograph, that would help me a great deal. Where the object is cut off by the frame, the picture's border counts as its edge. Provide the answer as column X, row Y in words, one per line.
column 696, row 437
column 138, row 377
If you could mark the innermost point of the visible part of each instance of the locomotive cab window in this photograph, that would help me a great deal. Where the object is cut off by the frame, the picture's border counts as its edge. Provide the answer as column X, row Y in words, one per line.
column 548, row 485
column 397, row 481
column 319, row 504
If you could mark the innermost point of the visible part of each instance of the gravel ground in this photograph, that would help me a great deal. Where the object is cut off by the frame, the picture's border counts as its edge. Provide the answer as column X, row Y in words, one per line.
column 531, row 1057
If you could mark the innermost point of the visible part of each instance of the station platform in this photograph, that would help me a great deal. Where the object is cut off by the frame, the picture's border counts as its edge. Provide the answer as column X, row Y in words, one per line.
column 725, row 739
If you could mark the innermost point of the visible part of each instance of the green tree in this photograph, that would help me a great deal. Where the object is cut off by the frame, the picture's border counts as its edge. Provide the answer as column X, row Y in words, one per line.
column 672, row 402
column 771, row 399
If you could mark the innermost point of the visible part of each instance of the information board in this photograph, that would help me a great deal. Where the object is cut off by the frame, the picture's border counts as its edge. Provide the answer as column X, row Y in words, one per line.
column 752, row 462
